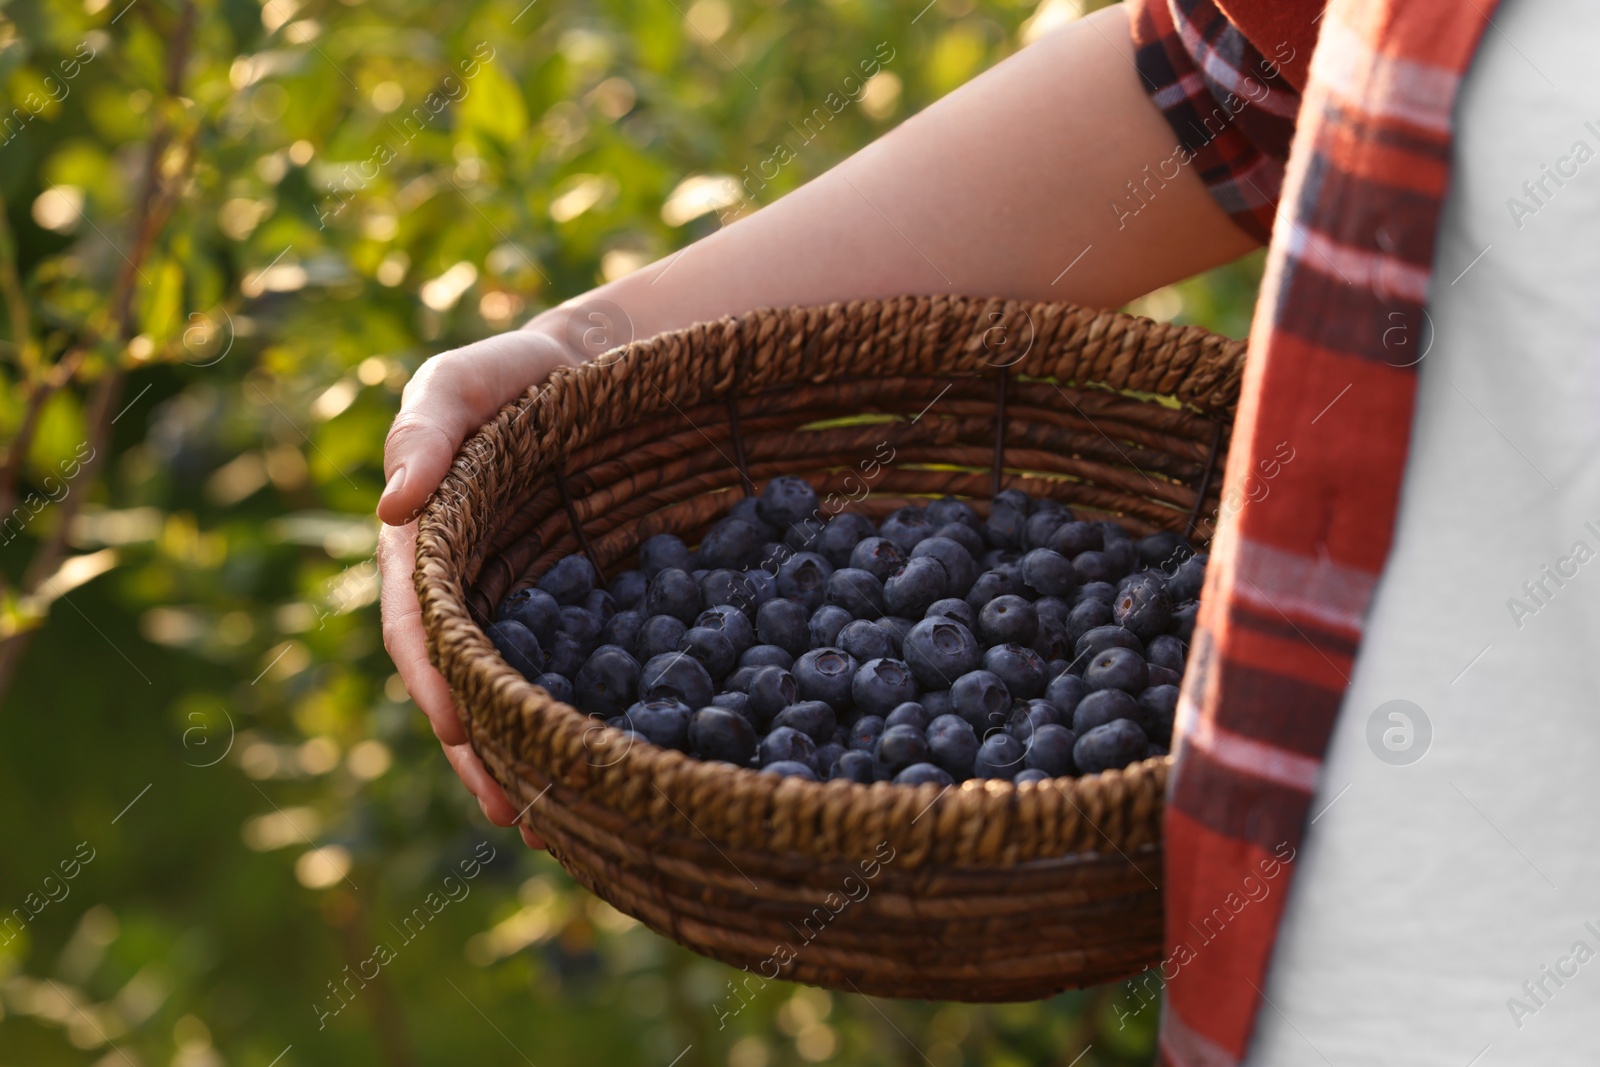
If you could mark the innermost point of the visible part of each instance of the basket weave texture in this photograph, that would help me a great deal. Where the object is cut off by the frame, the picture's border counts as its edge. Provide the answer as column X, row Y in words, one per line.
column 986, row 891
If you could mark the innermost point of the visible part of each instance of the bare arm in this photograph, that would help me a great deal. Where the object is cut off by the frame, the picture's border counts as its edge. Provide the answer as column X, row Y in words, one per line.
column 1003, row 188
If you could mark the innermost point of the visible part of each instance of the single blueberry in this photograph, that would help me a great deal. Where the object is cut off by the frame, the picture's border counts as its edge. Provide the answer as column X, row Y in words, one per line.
column 786, row 743
column 1159, row 704
column 865, row 640
column 1101, row 638
column 1019, row 667
column 1050, row 751
column 896, row 626
column 916, row 585
column 968, row 537
column 826, row 674
column 803, row 536
column 1008, row 619
column 559, row 688
column 1144, row 607
column 535, row 609
column 739, row 681
column 854, row 766
column 732, row 543
column 1028, row 717
column 1187, row 582
column 662, row 552
column 518, row 647
column 1109, row 747
column 949, row 509
column 662, row 721
column 814, row 718
column 600, row 604
column 774, row 554
column 1167, row 651
column 924, row 774
column 676, row 675
column 1163, row 550
column 784, row 623
column 1003, row 528
column 900, row 747
column 1120, row 555
column 569, row 579
column 1015, row 498
column 1053, row 641
column 1064, row 691
column 827, row 622
column 583, row 625
column 1164, row 676
column 953, row 608
column 908, row 714
column 766, row 656
column 953, row 745
column 1053, row 607
column 729, row 588
column 564, row 655
column 878, row 556
column 1102, row 591
column 1093, row 567
column 939, row 650
column 734, row 624
column 1046, row 572
column 842, row 534
column 1183, row 620
column 606, row 684
column 748, row 509
column 1072, row 538
column 825, row 757
column 960, row 566
column 1000, row 756
column 805, row 578
column 712, row 648
column 990, row 584
column 1102, row 706
column 785, row 500
column 906, row 527
column 738, row 703
column 771, row 689
column 999, row 559
column 622, row 630
column 1116, row 668
column 673, row 592
column 1041, row 525
column 658, row 634
column 1054, row 669
column 864, row 733
column 717, row 733
column 857, row 591
column 881, row 685
column 788, row 768
column 1088, row 615
column 936, row 702
column 982, row 699
column 1029, row 774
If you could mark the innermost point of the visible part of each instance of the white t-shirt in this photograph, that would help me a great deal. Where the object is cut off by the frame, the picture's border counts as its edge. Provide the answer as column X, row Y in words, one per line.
column 1447, row 911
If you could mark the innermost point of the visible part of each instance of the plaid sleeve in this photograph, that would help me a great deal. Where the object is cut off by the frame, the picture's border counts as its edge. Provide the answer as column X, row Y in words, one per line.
column 1225, row 98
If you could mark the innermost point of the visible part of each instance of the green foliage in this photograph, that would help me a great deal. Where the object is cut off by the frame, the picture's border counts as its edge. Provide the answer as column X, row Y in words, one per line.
column 340, row 189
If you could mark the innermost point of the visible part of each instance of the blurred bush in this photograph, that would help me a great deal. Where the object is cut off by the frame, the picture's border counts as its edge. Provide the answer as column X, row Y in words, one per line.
column 231, row 231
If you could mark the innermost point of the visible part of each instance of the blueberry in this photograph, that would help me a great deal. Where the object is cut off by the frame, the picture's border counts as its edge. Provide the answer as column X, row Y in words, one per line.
column 1093, row 567
column 982, row 699
column 583, row 625
column 877, row 556
column 1183, row 620
column 1088, row 615
column 771, row 689
column 1050, row 751
column 1109, row 747
column 712, row 648
column 606, row 684
column 569, row 580
column 673, row 592
column 600, row 604
column 1054, row 669
column 896, row 627
column 1102, row 591
column 662, row 721
column 786, row 743
column 960, row 566
column 1164, row 676
column 622, row 630
column 1046, row 572
column 518, row 647
column 825, row 757
column 990, row 584
column 564, row 655
column 1101, row 638
column 766, row 656
column 788, row 768
column 1102, row 706
column 947, row 509
column 826, row 624
column 1008, row 619
column 953, row 744
column 738, row 703
column 1041, row 525
column 908, row 714
column 1015, row 498
column 1187, row 582
column 881, row 685
column 968, row 537
column 1072, row 538
column 1029, row 774
column 1120, row 555
column 1000, row 756
column 825, row 674
column 658, row 634
column 676, row 675
column 1167, row 651
column 857, row 591
column 774, row 554
column 1005, row 524
column 924, row 774
column 841, row 535
column 906, row 527
column 1053, row 641
column 1028, row 717
column 900, row 747
column 939, row 650
column 786, row 500
column 1163, row 551
column 732, row 543
column 999, row 559
column 865, row 640
column 910, row 590
column 765, row 586
column 734, row 624
column 1019, row 667
column 662, row 552
column 1144, row 607
column 728, row 588
column 748, row 509
column 535, row 609
column 1050, row 504
column 864, row 733
column 784, row 623
column 721, row 734
column 1064, row 691
column 1159, row 705
column 804, row 577
column 1116, row 668
column 854, row 766
column 1156, row 750
column 936, row 702
column 952, row 608
column 814, row 718
column 739, row 681
column 803, row 536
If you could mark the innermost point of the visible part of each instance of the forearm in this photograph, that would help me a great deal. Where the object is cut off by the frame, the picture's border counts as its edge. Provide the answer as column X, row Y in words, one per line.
column 1004, row 188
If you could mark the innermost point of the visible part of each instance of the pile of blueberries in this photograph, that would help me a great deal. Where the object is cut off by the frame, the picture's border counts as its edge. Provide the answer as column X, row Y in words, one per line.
column 937, row 647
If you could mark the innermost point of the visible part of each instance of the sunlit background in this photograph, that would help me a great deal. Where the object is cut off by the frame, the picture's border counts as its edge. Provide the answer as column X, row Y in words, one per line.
column 232, row 231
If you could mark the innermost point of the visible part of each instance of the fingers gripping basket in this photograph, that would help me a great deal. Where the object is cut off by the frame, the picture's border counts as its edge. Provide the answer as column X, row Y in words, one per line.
column 984, row 892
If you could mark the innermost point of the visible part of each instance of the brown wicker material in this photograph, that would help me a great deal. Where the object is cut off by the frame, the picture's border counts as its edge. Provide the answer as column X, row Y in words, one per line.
column 985, row 891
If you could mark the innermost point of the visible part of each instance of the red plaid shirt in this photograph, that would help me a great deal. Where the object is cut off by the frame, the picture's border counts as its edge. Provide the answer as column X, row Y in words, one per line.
column 1347, row 178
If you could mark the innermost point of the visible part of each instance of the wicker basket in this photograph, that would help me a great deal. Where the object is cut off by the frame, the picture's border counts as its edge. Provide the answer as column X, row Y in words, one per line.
column 987, row 891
